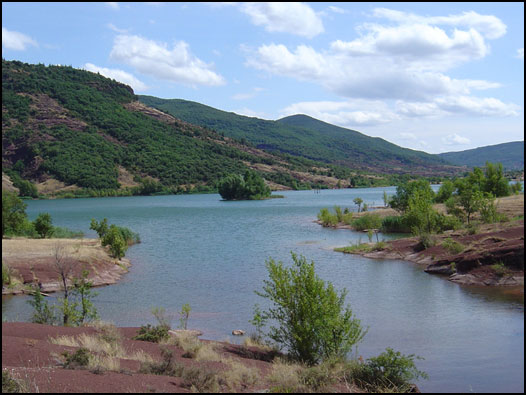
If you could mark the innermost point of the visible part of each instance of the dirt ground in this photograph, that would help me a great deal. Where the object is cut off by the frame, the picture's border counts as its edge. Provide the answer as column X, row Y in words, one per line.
column 34, row 262
column 31, row 356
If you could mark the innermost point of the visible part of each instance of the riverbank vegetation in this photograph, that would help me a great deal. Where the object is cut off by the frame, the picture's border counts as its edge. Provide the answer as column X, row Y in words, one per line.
column 250, row 186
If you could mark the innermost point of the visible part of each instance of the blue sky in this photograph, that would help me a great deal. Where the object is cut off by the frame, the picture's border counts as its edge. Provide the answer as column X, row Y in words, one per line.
column 435, row 77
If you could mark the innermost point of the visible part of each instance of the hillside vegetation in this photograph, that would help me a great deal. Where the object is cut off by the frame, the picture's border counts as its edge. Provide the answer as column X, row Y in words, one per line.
column 306, row 137
column 75, row 128
column 511, row 155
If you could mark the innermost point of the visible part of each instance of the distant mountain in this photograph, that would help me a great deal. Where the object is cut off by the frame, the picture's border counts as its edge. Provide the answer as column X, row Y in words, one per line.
column 82, row 130
column 511, row 155
column 306, row 137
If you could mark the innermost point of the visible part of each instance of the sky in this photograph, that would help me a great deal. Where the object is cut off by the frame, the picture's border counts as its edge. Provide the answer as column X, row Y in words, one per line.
column 435, row 77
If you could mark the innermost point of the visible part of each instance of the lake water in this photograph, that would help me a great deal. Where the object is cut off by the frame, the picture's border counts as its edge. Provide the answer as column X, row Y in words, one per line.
column 211, row 254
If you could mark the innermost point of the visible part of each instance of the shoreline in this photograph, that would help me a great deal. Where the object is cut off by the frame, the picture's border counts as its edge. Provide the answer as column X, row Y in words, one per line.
column 34, row 262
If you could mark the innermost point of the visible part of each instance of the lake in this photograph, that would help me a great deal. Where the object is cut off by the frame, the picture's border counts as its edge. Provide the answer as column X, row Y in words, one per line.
column 211, row 254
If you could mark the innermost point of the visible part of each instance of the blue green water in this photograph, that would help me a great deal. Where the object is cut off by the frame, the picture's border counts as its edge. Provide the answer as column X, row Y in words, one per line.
column 211, row 254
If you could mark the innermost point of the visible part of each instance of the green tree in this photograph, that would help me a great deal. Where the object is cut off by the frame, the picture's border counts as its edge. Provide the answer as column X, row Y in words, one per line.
column 494, row 182
column 113, row 238
column 43, row 225
column 445, row 192
column 248, row 187
column 420, row 213
column 312, row 322
column 100, row 227
column 470, row 198
column 400, row 201
column 42, row 312
column 83, row 293
column 13, row 213
column 358, row 201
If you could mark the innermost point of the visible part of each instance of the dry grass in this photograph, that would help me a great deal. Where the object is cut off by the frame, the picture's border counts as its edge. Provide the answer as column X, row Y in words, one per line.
column 239, row 376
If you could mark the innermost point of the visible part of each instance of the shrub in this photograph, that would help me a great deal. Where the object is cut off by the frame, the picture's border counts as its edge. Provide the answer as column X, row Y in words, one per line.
column 154, row 334
column 312, row 321
column 43, row 225
column 390, row 370
column 251, row 186
column 10, row 385
column 367, row 221
column 327, row 219
column 453, row 247
column 395, row 224
column 6, row 274
column 114, row 239
column 80, row 358
column 43, row 313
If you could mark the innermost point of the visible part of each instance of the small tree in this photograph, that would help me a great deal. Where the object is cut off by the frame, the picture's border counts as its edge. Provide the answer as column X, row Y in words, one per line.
column 185, row 313
column 313, row 323
column 114, row 239
column 358, row 201
column 43, row 313
column 101, row 228
column 13, row 213
column 43, row 225
column 82, row 291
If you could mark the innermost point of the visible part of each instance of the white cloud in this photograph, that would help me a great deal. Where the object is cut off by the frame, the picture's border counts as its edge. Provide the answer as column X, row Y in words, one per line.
column 118, row 75
column 477, row 106
column 251, row 113
column 408, row 136
column 16, row 41
column 455, row 139
column 116, row 29
column 156, row 59
column 337, row 10
column 284, row 17
column 520, row 53
column 488, row 25
column 354, row 113
column 405, row 62
column 249, row 95
column 112, row 4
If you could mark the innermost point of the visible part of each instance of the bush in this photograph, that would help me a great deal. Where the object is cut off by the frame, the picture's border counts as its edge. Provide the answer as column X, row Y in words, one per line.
column 453, row 247
column 79, row 358
column 367, row 221
column 43, row 225
column 251, row 186
column 10, row 385
column 154, row 334
column 395, row 224
column 312, row 322
column 327, row 219
column 390, row 370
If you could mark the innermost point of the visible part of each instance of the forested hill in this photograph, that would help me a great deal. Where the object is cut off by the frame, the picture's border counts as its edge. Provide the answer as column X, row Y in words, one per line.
column 80, row 129
column 511, row 155
column 307, row 137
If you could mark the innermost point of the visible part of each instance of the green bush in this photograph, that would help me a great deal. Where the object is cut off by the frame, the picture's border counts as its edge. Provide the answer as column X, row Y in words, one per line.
column 390, row 370
column 367, row 221
column 43, row 225
column 452, row 246
column 154, row 334
column 395, row 224
column 10, row 385
column 312, row 322
column 251, row 186
column 79, row 359
column 327, row 219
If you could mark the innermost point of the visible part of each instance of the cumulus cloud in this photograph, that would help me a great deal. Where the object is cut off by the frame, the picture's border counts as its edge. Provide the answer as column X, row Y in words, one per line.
column 112, row 4
column 355, row 113
column 16, row 41
column 405, row 62
column 490, row 26
column 177, row 64
column 288, row 17
column 455, row 139
column 118, row 75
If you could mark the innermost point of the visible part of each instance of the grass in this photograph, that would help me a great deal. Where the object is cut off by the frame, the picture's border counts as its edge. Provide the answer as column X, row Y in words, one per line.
column 362, row 248
column 452, row 246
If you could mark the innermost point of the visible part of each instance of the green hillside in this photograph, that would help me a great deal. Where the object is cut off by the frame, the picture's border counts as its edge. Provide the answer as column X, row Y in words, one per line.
column 86, row 130
column 511, row 155
column 306, row 137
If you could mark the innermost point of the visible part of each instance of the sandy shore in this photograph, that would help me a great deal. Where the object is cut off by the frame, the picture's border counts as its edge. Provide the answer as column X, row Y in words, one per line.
column 34, row 262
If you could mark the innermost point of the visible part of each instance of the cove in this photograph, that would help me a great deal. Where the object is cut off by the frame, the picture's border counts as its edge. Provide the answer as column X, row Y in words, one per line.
column 211, row 254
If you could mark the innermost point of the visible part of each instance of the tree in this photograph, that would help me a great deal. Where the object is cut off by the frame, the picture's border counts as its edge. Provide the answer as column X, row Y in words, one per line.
column 13, row 213
column 251, row 186
column 445, row 192
column 82, row 291
column 358, row 201
column 101, row 228
column 420, row 213
column 114, row 239
column 400, row 201
column 470, row 197
column 494, row 182
column 64, row 267
column 313, row 323
column 43, row 225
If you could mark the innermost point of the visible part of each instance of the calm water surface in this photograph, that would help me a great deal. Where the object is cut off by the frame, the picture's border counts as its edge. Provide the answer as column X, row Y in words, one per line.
column 211, row 254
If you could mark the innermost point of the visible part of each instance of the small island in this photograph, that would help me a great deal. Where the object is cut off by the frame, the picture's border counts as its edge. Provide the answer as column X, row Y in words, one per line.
column 251, row 186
